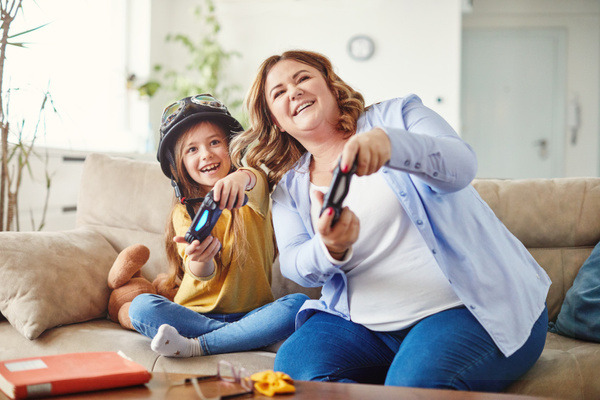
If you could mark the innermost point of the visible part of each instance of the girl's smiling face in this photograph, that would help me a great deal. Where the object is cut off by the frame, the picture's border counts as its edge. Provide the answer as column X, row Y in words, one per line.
column 299, row 99
column 206, row 154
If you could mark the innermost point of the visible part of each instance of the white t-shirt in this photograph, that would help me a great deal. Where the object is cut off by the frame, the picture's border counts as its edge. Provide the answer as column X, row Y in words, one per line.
column 393, row 279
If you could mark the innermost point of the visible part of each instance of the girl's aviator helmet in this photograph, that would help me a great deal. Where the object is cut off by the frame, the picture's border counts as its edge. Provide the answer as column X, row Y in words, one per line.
column 179, row 115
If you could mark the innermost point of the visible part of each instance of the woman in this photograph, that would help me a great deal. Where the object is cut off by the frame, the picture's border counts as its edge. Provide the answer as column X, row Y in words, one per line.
column 422, row 285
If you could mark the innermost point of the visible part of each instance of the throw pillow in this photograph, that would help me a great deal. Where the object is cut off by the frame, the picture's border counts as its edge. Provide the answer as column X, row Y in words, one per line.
column 49, row 279
column 579, row 315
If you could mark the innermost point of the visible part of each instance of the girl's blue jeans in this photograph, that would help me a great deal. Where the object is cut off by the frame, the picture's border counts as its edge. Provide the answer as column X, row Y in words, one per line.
column 218, row 333
column 448, row 350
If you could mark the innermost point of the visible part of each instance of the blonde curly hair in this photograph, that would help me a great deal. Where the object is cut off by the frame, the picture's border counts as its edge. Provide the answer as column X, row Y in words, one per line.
column 263, row 144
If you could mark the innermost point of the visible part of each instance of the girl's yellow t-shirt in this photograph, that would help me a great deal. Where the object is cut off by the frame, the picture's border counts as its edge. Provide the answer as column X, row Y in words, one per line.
column 246, row 283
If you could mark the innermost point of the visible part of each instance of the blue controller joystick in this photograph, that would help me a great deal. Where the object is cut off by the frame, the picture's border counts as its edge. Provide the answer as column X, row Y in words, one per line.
column 206, row 218
column 338, row 190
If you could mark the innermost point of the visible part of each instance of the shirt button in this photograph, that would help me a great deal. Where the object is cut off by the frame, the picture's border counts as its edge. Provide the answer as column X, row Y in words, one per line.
column 403, row 194
column 434, row 251
column 472, row 307
column 418, row 165
column 406, row 163
column 419, row 222
column 435, row 174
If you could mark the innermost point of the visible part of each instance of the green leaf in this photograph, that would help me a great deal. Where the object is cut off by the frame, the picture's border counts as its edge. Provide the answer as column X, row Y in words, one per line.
column 27, row 31
column 149, row 88
column 200, row 72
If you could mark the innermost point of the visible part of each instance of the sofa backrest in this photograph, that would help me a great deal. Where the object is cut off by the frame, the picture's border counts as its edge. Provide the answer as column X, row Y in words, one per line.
column 128, row 202
column 558, row 220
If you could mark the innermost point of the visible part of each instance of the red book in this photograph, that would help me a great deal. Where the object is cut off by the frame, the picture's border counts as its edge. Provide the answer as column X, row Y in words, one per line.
column 69, row 373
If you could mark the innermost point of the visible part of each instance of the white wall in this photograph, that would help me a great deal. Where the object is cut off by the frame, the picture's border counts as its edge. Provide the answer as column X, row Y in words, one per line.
column 417, row 43
column 581, row 20
column 417, row 47
column 417, row 50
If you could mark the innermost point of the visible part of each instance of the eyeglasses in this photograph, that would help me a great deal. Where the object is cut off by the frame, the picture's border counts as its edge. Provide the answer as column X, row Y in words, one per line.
column 226, row 372
column 172, row 111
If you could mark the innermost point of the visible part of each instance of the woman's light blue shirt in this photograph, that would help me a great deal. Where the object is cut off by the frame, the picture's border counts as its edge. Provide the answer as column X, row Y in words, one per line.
column 430, row 172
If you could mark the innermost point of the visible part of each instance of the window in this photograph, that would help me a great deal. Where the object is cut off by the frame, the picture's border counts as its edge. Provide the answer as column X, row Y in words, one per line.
column 82, row 57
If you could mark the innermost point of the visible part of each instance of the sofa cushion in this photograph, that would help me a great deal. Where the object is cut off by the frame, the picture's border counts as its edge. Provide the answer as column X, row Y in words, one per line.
column 53, row 278
column 556, row 374
column 567, row 369
column 95, row 335
column 579, row 315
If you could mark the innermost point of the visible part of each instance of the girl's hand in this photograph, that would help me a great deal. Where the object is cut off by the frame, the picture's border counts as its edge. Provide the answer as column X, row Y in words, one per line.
column 340, row 237
column 201, row 254
column 230, row 190
column 373, row 149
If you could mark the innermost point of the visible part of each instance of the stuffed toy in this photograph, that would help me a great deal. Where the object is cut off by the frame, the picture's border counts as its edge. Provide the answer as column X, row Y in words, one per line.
column 126, row 281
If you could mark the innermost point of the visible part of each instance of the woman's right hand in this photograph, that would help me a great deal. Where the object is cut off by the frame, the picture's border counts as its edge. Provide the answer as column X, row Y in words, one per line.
column 338, row 238
column 371, row 150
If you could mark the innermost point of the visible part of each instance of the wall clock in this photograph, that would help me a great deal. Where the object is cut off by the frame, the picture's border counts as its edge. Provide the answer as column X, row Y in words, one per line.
column 361, row 47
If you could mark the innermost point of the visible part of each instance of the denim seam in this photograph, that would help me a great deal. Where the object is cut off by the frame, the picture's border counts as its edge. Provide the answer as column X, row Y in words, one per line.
column 467, row 367
column 341, row 371
column 142, row 324
column 203, row 346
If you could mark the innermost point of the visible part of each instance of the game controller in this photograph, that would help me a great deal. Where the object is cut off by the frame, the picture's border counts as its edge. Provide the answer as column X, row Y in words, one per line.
column 205, row 219
column 338, row 189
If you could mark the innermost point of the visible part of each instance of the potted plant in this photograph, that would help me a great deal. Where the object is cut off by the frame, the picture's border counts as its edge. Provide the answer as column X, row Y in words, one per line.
column 203, row 71
column 16, row 154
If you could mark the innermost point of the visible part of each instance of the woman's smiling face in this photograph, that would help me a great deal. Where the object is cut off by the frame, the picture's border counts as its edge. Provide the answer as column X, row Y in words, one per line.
column 299, row 99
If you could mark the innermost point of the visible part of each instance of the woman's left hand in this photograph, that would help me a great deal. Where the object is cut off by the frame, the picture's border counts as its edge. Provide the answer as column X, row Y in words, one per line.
column 373, row 149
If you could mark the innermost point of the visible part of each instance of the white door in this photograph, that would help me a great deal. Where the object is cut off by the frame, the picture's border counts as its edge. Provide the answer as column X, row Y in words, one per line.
column 513, row 101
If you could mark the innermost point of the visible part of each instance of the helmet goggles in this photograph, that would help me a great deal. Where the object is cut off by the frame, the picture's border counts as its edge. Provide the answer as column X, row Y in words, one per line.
column 184, row 107
column 177, row 116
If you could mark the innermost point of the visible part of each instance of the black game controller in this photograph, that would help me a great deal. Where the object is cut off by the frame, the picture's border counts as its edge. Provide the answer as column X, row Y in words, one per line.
column 338, row 189
column 206, row 218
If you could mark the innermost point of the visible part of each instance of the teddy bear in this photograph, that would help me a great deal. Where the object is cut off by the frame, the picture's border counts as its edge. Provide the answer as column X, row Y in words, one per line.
column 126, row 281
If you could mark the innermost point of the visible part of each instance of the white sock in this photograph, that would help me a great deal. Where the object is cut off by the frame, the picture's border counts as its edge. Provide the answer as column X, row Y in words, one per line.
column 169, row 343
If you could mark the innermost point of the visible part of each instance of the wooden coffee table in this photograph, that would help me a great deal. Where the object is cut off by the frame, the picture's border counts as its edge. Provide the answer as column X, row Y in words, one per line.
column 159, row 388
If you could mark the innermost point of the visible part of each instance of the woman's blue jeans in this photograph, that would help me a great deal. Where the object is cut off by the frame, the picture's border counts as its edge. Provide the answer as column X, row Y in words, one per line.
column 448, row 350
column 218, row 333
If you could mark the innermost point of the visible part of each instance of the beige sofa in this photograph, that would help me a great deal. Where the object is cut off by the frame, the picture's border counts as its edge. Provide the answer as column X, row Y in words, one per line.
column 53, row 285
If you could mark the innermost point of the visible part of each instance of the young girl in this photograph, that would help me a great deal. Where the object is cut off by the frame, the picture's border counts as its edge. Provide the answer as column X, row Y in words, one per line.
column 224, row 301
